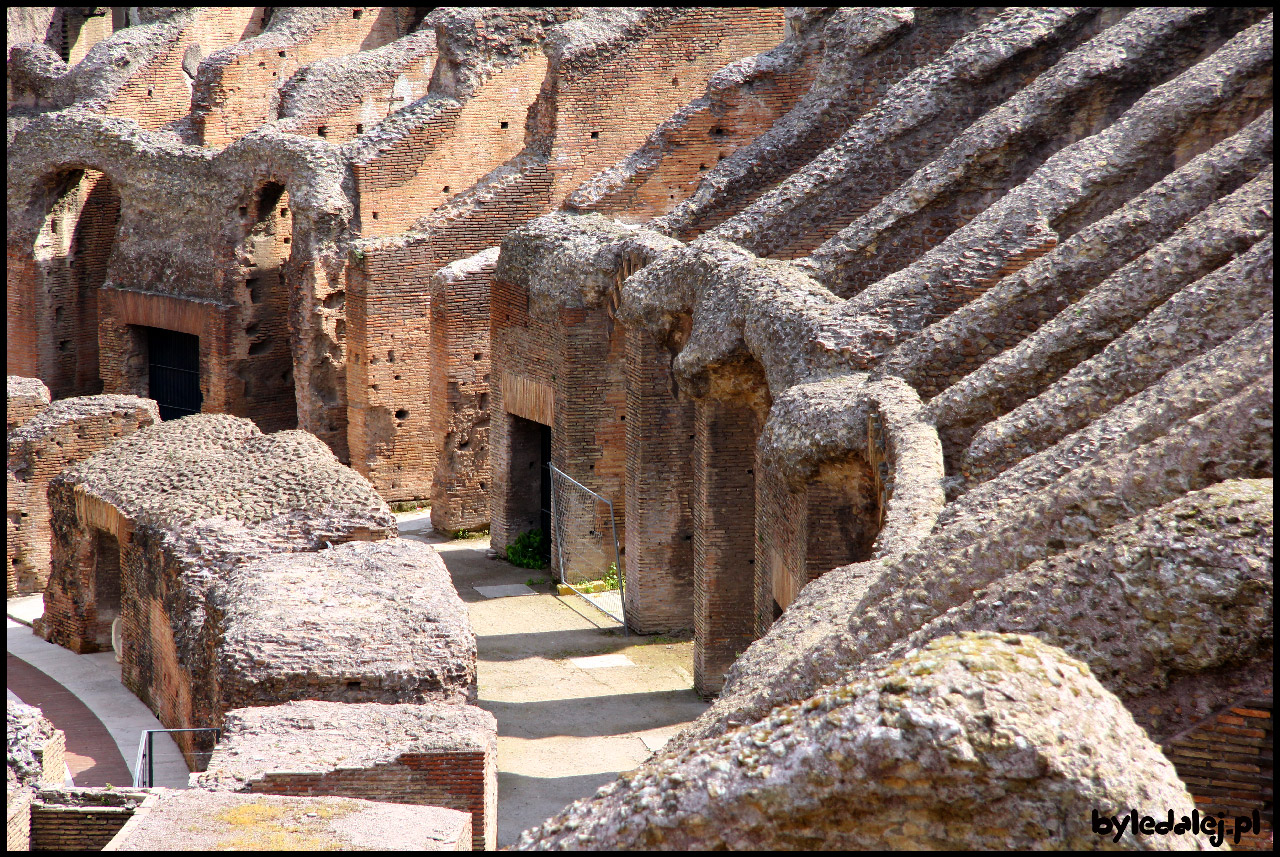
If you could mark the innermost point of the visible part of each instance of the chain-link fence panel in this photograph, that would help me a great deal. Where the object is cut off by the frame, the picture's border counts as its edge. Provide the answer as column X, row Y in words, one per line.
column 584, row 544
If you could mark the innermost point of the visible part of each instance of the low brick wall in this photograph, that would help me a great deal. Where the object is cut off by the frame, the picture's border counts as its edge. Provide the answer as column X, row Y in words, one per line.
column 79, row 819
column 18, row 821
column 435, row 754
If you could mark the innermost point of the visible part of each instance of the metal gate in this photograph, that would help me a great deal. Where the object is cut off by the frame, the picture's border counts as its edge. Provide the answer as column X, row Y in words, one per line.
column 173, row 371
column 585, row 545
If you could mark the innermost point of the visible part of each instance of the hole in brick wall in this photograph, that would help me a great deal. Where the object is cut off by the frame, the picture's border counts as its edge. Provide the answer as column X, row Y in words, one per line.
column 149, row 92
column 357, row 13
column 57, row 315
column 702, row 166
column 340, row 328
column 504, row 124
column 255, row 290
column 595, row 135
column 445, row 188
column 251, row 330
column 64, row 345
column 282, row 53
column 284, row 212
column 675, row 81
column 359, row 128
column 268, row 198
column 262, row 346
column 286, row 240
column 337, row 300
column 623, row 418
column 397, row 377
column 323, row 131
column 477, row 356
column 274, row 74
column 353, row 685
column 484, row 486
column 717, row 132
column 244, row 211
column 719, row 158
column 484, row 401
column 402, row 414
column 53, row 226
column 375, row 215
column 391, row 356
column 262, row 64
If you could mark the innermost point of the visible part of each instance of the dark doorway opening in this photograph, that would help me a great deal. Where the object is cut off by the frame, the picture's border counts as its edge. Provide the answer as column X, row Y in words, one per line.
column 544, row 490
column 106, row 586
column 173, row 371
column 529, row 504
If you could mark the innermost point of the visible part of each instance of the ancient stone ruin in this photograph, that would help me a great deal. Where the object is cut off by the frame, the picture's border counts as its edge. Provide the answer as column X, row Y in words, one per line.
column 925, row 355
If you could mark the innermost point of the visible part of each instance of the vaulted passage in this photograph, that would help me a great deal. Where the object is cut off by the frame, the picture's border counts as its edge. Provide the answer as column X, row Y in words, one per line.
column 173, row 372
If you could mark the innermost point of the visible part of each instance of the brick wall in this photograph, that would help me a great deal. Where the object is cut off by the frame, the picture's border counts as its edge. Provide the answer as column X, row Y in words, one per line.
column 460, row 383
column 68, row 265
column 524, row 353
column 451, row 149
column 79, row 819
column 1226, row 763
column 461, row 780
column 123, row 358
column 360, row 108
column 803, row 534
column 261, row 360
column 35, row 457
column 22, row 316
column 18, row 821
column 724, row 561
column 242, row 92
column 25, row 398
column 160, row 92
column 621, row 95
column 659, row 486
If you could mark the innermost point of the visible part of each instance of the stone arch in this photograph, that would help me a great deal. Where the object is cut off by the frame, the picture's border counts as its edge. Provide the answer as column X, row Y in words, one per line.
column 261, row 342
column 56, row 272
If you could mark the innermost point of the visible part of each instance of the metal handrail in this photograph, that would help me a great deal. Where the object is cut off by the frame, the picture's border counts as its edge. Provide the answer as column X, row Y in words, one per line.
column 146, row 750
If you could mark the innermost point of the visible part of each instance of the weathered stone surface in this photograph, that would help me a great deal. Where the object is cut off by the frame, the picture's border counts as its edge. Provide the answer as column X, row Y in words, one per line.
column 26, row 397
column 35, row 748
column 319, row 737
column 196, row 820
column 353, row 623
column 978, row 741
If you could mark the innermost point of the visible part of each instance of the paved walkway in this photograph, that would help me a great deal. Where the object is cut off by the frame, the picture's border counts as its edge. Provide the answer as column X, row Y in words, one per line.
column 92, row 757
column 82, row 695
column 577, row 702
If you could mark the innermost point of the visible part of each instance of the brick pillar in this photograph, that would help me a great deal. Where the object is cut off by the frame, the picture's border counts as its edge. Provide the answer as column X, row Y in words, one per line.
column 781, row 534
column 724, row 445
column 660, row 431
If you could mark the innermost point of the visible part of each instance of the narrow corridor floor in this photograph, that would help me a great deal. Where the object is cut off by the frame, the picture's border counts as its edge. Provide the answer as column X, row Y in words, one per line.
column 563, row 730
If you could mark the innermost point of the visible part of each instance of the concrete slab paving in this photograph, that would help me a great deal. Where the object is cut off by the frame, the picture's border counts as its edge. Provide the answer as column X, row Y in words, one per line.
column 596, row 662
column 563, row 730
column 506, row 590
column 95, row 680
